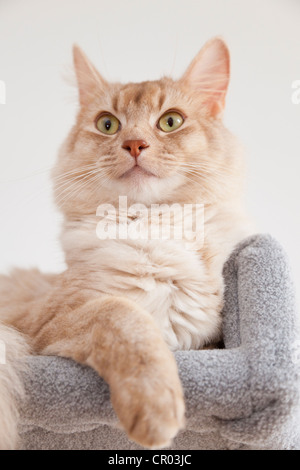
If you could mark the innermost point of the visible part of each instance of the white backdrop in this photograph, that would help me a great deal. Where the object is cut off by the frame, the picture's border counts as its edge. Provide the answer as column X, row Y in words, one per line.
column 139, row 40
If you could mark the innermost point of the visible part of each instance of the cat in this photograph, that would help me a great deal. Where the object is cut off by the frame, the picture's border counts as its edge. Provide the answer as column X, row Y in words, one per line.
column 123, row 305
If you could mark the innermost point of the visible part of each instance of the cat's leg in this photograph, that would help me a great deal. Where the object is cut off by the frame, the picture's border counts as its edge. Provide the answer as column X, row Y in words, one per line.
column 123, row 344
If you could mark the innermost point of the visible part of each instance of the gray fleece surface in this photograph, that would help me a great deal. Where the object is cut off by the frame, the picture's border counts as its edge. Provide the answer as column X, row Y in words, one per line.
column 245, row 396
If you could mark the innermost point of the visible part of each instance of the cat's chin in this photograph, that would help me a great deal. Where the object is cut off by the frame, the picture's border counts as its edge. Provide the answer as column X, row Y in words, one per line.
column 137, row 173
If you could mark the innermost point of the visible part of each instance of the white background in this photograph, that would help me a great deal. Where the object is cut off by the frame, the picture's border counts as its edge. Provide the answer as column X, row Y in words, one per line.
column 137, row 40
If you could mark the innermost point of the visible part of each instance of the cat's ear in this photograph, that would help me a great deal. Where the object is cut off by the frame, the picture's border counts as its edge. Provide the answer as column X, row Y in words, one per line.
column 89, row 79
column 208, row 75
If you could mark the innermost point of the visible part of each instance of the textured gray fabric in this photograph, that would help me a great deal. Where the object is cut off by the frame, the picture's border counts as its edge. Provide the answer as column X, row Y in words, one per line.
column 245, row 396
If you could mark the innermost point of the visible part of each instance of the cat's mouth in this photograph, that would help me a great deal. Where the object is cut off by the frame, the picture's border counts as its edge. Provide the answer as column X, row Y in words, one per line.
column 137, row 171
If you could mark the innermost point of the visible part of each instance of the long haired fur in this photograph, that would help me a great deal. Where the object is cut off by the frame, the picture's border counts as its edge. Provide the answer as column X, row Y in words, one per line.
column 11, row 386
column 18, row 294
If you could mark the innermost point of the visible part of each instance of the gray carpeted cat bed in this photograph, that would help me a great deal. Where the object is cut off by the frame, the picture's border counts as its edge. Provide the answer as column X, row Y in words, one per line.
column 245, row 396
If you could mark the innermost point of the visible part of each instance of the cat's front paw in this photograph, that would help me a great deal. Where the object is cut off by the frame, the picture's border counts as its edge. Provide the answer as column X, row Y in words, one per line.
column 150, row 409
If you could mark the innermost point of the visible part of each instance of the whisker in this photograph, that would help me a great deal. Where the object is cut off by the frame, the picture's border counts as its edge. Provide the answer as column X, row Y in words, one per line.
column 76, row 190
column 31, row 175
column 73, row 178
column 196, row 177
column 209, row 170
column 74, row 171
column 74, row 193
column 68, row 185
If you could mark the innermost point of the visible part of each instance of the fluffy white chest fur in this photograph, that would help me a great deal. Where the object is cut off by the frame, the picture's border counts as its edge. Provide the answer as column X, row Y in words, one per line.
column 178, row 281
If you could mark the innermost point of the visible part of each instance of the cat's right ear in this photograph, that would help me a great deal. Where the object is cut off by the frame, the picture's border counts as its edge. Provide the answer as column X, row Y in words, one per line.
column 89, row 79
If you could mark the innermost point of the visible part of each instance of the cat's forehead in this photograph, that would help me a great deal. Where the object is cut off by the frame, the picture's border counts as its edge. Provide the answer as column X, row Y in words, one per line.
column 151, row 96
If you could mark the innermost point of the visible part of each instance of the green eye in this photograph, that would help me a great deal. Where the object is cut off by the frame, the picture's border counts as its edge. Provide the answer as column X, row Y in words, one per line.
column 170, row 121
column 108, row 124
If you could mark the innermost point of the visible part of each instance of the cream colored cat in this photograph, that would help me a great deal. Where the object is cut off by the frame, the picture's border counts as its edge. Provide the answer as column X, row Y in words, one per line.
column 122, row 304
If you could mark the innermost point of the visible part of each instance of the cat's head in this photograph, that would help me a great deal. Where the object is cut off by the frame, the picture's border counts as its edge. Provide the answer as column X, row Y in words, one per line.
column 156, row 141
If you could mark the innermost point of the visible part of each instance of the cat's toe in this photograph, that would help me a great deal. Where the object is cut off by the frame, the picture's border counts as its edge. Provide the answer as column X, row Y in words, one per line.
column 156, row 426
column 151, row 415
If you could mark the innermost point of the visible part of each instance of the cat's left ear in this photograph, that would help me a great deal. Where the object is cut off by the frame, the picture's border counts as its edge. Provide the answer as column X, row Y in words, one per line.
column 208, row 75
column 89, row 80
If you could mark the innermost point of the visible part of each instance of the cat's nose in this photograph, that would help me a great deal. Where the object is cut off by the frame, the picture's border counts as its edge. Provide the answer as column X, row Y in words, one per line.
column 135, row 147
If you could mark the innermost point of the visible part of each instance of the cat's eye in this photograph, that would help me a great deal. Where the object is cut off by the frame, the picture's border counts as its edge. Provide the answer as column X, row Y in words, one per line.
column 170, row 121
column 108, row 124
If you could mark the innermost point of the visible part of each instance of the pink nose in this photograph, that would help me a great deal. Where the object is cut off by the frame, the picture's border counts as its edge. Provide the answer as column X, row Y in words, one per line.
column 135, row 147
